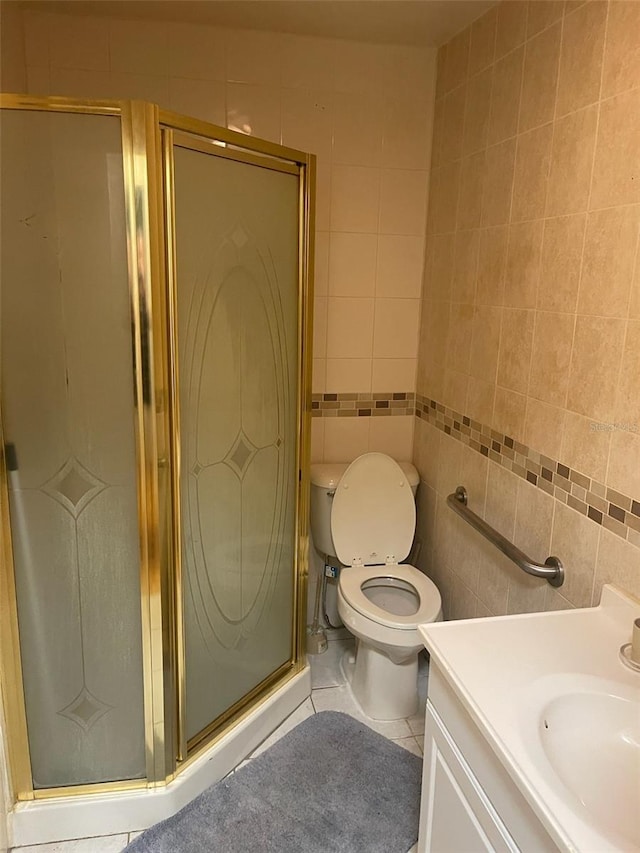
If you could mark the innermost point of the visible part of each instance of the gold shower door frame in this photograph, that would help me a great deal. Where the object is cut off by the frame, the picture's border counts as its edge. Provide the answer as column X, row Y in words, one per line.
column 148, row 136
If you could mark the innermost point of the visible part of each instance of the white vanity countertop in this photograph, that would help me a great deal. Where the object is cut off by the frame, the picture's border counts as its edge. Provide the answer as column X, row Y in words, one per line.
column 505, row 670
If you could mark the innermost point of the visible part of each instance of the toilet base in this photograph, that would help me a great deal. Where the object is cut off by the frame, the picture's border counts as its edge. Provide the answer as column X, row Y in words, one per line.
column 384, row 690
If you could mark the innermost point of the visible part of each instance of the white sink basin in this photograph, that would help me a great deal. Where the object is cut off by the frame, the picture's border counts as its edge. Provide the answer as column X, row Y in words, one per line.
column 561, row 712
column 590, row 737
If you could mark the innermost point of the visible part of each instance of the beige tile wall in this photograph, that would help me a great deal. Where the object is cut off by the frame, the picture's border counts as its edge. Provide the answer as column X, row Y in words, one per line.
column 531, row 315
column 365, row 110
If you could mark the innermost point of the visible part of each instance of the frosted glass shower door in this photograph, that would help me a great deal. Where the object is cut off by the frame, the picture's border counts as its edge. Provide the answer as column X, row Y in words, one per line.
column 236, row 227
column 68, row 419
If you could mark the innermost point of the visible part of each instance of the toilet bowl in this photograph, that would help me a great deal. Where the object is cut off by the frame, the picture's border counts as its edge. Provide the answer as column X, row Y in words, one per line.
column 380, row 599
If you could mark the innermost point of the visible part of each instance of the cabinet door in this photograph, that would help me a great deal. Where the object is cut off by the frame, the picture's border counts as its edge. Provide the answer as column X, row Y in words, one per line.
column 455, row 816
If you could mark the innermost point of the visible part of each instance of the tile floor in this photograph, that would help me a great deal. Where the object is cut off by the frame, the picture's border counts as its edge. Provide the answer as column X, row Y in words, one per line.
column 329, row 693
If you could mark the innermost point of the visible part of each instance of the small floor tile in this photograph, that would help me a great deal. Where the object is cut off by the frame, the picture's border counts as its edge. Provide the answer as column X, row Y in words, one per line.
column 301, row 713
column 408, row 743
column 341, row 699
column 325, row 668
column 416, row 723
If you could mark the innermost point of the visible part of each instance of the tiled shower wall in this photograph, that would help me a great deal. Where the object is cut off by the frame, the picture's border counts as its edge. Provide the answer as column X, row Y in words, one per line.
column 365, row 110
column 529, row 369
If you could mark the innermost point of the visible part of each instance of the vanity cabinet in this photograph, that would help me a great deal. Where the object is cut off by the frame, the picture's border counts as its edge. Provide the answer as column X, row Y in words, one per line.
column 469, row 802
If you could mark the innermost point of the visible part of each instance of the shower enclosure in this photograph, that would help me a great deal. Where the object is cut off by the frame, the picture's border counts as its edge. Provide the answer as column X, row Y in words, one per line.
column 155, row 419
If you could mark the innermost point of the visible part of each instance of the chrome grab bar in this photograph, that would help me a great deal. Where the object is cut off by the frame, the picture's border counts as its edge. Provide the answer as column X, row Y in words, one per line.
column 552, row 569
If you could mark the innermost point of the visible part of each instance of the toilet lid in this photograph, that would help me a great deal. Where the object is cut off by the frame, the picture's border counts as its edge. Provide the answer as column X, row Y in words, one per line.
column 373, row 517
column 352, row 583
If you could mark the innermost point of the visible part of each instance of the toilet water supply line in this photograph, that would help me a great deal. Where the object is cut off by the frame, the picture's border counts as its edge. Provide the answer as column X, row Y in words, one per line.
column 329, row 571
column 317, row 638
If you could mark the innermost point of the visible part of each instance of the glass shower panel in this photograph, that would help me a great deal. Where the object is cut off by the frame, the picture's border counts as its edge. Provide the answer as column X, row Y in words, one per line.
column 68, row 409
column 237, row 313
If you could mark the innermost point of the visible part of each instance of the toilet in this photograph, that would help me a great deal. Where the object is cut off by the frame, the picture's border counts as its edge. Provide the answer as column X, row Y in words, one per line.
column 364, row 514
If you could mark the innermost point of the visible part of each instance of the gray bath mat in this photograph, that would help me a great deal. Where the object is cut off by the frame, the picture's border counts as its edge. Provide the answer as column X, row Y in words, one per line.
column 332, row 785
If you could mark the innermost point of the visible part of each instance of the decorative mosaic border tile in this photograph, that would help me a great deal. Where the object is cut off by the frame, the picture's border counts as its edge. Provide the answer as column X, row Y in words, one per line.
column 618, row 513
column 363, row 405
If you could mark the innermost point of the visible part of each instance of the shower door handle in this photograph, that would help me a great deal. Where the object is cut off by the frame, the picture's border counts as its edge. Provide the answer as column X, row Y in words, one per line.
column 10, row 456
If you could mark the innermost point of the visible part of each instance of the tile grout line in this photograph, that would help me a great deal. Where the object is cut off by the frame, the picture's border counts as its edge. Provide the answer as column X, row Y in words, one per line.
column 586, row 228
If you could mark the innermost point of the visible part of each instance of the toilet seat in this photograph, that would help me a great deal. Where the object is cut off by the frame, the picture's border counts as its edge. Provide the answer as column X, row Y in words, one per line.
column 373, row 520
column 352, row 580
column 373, row 517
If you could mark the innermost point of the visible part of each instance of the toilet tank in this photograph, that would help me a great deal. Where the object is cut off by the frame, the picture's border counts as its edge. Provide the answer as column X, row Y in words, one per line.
column 324, row 481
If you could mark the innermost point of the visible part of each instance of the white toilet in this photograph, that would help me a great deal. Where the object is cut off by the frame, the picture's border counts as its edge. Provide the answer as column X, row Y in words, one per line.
column 364, row 514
